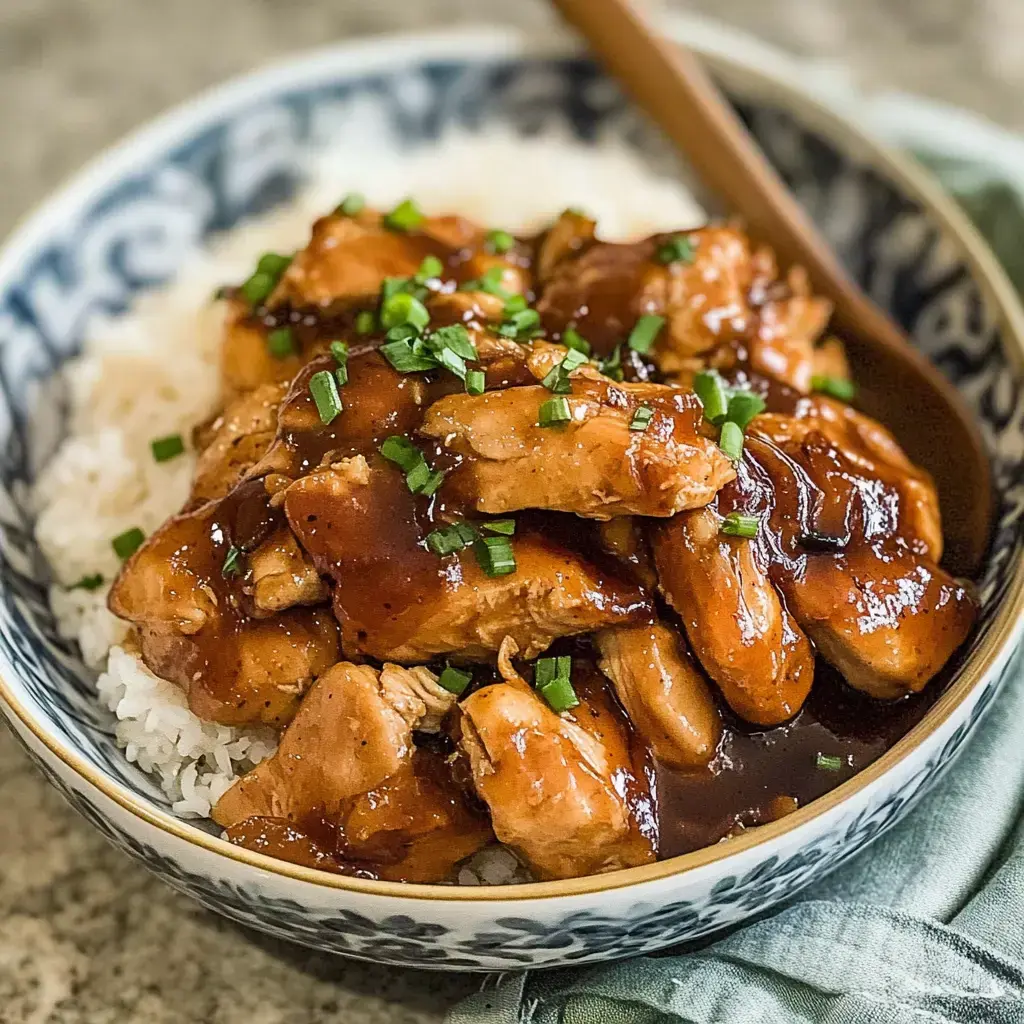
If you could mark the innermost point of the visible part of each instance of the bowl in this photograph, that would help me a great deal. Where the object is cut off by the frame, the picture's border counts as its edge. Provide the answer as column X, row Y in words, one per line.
column 127, row 223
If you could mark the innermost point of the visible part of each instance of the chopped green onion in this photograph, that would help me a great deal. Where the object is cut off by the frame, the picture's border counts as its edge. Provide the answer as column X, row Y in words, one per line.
column 340, row 352
column 641, row 418
column 403, row 308
column 324, row 389
column 454, row 680
column 418, row 477
column 494, row 555
column 432, row 483
column 521, row 325
column 645, row 330
column 557, row 378
column 506, row 527
column 571, row 338
column 401, row 451
column 547, row 670
column 430, row 267
column 476, row 382
column 560, row 695
column 735, row 524
column 829, row 762
column 405, row 359
column 352, row 204
column 394, row 286
column 258, row 287
column 499, row 241
column 731, row 440
column 164, row 448
column 490, row 282
column 553, row 412
column 280, row 343
column 126, row 544
column 406, row 216
column 455, row 337
column 711, row 391
column 743, row 407
column 612, row 366
column 365, row 322
column 835, row 387
column 678, row 249
column 93, row 582
column 514, row 304
column 450, row 539
column 232, row 562
column 451, row 360
column 274, row 264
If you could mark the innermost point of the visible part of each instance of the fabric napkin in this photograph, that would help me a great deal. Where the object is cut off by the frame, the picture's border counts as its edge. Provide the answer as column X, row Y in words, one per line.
column 926, row 926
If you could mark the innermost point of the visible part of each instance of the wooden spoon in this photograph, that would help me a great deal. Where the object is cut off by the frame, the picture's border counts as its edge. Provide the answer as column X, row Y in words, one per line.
column 897, row 384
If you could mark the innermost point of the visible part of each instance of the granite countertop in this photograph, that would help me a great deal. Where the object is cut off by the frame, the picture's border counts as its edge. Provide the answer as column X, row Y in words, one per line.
column 85, row 934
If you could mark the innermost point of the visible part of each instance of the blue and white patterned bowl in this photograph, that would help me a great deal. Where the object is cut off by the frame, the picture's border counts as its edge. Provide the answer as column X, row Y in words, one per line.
column 127, row 224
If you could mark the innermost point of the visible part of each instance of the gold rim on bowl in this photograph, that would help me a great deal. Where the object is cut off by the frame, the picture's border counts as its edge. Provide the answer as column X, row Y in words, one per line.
column 987, row 273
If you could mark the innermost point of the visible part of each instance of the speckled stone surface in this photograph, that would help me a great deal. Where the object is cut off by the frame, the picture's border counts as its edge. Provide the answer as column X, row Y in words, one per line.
column 86, row 936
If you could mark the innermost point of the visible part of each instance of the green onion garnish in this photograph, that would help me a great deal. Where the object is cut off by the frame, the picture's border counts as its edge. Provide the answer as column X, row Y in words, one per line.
column 126, row 544
column 405, row 359
column 324, row 389
column 432, row 483
column 476, row 382
column 560, row 695
column 451, row 360
column 393, row 286
column 612, row 366
column 557, row 378
column 232, row 562
column 505, row 527
column 835, row 387
column 280, row 343
column 712, row 392
column 274, row 264
column 731, row 440
column 164, row 448
column 514, row 304
column 401, row 451
column 829, row 762
column 455, row 337
column 547, row 670
column 571, row 338
column 258, row 287
column 678, row 249
column 554, row 411
column 641, row 418
column 454, row 680
column 499, row 241
column 450, row 539
column 365, row 322
column 735, row 524
column 743, row 407
column 90, row 583
column 406, row 216
column 645, row 330
column 340, row 352
column 352, row 204
column 494, row 555
column 430, row 267
column 521, row 325
column 403, row 308
column 490, row 282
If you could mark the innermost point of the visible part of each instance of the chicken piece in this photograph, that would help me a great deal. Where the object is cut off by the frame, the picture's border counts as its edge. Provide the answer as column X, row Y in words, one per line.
column 886, row 619
column 237, row 440
column 625, row 539
column 569, row 234
column 398, row 601
column 830, row 360
column 282, row 576
column 246, row 361
column 549, row 784
column 345, row 740
column 348, row 258
column 736, row 624
column 417, row 696
column 192, row 620
column 416, row 825
column 663, row 692
column 595, row 465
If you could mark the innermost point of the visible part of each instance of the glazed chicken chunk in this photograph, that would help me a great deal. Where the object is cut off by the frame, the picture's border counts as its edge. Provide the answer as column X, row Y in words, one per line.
column 594, row 464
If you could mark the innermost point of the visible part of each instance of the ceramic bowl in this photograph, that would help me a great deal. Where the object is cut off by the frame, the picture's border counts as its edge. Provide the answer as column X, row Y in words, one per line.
column 127, row 224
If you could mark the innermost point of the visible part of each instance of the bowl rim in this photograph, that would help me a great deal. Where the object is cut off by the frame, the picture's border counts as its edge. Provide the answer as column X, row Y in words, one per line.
column 351, row 59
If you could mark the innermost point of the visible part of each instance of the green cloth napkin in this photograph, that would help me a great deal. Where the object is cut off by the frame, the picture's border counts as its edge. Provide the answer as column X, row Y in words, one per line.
column 926, row 926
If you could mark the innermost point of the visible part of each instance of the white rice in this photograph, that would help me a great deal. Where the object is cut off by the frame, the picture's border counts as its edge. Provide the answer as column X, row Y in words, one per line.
column 154, row 372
